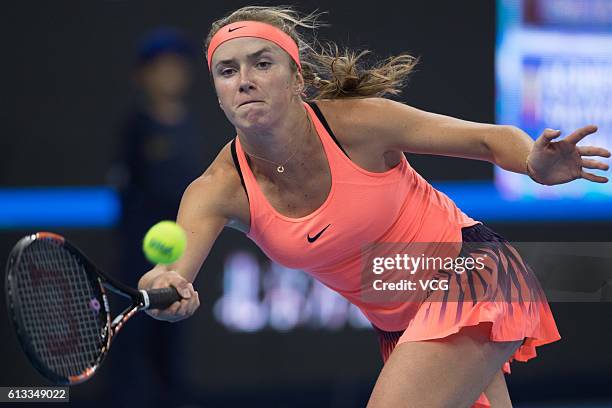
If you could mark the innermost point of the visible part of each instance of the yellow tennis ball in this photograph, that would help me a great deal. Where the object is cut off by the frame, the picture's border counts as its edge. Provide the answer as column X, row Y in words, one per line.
column 164, row 243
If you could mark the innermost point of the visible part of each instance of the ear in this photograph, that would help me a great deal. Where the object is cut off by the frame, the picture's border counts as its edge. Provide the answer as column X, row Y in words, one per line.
column 299, row 84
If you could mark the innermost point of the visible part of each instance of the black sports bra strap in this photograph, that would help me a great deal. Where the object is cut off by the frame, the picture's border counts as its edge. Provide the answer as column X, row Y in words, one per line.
column 320, row 116
column 237, row 164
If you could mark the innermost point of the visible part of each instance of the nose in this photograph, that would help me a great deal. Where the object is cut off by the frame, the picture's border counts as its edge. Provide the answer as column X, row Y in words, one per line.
column 246, row 84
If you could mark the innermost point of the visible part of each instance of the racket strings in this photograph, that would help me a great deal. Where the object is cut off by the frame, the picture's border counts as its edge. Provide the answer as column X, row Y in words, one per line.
column 61, row 308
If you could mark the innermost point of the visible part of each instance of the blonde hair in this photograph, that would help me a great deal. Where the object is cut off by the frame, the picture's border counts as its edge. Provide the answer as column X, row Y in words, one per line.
column 328, row 72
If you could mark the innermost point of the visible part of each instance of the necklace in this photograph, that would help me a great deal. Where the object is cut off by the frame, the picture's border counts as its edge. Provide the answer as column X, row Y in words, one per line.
column 280, row 167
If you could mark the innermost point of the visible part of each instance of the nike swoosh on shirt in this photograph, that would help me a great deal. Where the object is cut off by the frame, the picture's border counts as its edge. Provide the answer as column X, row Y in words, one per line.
column 313, row 239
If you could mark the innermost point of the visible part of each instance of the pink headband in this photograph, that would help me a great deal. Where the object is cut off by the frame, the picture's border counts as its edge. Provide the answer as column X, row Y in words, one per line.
column 254, row 29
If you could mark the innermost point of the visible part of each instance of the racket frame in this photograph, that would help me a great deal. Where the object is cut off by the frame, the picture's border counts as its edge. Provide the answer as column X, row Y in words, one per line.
column 103, row 281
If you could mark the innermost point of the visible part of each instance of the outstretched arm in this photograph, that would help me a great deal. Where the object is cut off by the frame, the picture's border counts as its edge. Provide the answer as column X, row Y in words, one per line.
column 207, row 205
column 400, row 127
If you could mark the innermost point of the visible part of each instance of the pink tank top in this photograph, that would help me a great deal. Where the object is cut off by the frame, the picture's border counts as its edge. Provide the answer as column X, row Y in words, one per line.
column 361, row 209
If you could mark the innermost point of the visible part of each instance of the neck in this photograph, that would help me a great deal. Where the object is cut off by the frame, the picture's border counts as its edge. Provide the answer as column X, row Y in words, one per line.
column 283, row 144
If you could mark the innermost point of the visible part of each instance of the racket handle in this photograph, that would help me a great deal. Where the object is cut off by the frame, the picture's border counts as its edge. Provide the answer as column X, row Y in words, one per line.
column 160, row 298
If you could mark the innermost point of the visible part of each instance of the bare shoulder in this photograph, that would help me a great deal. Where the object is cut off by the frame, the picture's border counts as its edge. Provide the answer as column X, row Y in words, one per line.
column 382, row 125
column 354, row 119
column 219, row 191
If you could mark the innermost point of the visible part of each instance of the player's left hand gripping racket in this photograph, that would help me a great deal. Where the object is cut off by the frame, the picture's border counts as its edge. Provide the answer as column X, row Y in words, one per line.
column 57, row 301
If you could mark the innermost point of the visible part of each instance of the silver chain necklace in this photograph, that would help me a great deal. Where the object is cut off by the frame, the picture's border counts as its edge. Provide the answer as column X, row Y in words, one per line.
column 279, row 167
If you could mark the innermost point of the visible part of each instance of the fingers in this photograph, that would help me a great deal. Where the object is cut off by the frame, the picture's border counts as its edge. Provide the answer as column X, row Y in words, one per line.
column 547, row 136
column 593, row 151
column 184, row 308
column 594, row 164
column 175, row 280
column 593, row 177
column 195, row 304
column 581, row 133
column 178, row 310
column 187, row 307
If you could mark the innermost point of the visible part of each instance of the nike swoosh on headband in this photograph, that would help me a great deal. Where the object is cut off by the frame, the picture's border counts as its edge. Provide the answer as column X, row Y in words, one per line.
column 255, row 29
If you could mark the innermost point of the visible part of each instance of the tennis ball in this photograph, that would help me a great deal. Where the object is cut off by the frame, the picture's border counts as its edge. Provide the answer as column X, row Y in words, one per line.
column 164, row 242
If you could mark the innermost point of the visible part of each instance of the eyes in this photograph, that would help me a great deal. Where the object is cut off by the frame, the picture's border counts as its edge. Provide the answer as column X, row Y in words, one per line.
column 261, row 65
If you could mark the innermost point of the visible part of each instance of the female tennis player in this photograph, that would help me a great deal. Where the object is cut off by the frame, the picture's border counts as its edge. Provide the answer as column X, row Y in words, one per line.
column 317, row 172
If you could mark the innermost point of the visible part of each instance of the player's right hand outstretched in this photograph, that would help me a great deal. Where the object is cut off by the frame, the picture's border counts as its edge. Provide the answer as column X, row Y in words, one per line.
column 177, row 311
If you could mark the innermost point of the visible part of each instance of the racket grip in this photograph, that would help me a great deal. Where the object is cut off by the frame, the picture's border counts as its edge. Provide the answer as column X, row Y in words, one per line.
column 161, row 298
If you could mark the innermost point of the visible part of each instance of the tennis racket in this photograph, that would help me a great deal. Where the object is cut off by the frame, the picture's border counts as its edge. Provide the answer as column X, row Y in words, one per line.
column 58, row 304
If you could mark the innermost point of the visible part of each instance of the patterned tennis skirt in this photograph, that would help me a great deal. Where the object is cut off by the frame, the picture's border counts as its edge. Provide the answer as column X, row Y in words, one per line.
column 505, row 293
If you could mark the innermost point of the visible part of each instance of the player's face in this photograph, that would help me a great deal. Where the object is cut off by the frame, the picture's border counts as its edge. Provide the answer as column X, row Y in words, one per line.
column 255, row 82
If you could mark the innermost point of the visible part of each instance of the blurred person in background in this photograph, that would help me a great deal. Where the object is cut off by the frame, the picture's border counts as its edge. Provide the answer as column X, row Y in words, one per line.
column 160, row 151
